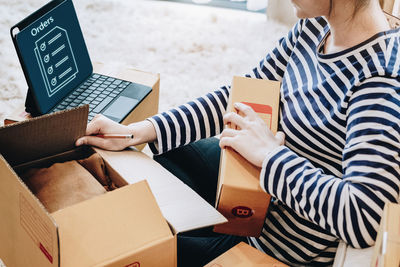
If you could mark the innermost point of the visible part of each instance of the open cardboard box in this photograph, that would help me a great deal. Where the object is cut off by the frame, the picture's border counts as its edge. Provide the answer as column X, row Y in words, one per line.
column 124, row 227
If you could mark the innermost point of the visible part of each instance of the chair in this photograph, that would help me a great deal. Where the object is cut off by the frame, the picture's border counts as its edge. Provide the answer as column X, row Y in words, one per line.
column 393, row 21
column 391, row 7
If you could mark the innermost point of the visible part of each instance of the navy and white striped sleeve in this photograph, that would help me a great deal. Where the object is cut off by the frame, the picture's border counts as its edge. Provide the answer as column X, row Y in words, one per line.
column 195, row 120
column 202, row 118
column 350, row 206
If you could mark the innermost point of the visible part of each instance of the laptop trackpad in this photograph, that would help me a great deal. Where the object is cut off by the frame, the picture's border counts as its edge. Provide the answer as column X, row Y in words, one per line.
column 121, row 107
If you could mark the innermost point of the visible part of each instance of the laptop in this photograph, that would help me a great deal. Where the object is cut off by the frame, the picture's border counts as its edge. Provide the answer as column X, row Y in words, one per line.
column 58, row 69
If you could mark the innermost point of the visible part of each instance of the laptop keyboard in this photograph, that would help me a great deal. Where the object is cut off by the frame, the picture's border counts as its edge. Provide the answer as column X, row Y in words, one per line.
column 97, row 91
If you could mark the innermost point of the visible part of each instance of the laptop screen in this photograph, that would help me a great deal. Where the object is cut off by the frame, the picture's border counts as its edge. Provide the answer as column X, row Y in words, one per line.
column 54, row 55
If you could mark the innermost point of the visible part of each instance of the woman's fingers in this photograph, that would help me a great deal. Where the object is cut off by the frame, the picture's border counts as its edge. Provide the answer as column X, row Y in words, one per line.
column 253, row 142
column 228, row 137
column 244, row 113
column 233, row 118
column 109, row 144
column 246, row 110
column 94, row 127
column 102, row 125
column 90, row 140
column 225, row 142
column 228, row 132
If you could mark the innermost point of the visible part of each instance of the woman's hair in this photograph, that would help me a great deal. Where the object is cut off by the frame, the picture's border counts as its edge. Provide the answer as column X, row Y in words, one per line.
column 358, row 4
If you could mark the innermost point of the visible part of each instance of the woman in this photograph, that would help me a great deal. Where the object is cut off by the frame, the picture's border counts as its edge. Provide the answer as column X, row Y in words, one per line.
column 339, row 163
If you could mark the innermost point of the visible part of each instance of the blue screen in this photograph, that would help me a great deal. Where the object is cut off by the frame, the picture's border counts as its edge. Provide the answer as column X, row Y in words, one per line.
column 55, row 56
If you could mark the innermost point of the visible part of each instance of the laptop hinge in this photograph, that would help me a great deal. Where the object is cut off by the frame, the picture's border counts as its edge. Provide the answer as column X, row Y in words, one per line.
column 30, row 105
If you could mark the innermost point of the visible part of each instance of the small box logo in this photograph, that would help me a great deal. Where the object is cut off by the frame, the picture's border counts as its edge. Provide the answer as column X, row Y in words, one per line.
column 135, row 264
column 242, row 212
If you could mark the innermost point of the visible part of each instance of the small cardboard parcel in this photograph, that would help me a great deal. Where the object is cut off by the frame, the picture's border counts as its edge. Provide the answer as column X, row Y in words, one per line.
column 128, row 226
column 240, row 197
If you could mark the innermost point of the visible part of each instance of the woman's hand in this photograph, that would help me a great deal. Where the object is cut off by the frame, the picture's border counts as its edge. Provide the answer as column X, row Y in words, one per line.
column 252, row 138
column 142, row 132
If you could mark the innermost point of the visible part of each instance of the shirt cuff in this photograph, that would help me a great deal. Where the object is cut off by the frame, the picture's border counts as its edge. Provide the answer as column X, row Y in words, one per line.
column 156, row 146
column 267, row 161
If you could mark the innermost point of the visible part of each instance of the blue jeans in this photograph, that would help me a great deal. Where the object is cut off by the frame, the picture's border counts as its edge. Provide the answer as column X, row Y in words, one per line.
column 197, row 166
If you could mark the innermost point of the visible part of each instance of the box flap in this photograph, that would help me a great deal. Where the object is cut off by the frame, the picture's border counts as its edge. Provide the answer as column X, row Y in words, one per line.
column 42, row 136
column 183, row 208
column 124, row 220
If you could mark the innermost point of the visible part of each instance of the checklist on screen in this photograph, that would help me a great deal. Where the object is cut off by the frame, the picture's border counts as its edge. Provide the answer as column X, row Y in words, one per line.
column 56, row 59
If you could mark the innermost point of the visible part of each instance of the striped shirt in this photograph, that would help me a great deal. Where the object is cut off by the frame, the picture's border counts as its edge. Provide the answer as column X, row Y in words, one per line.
column 340, row 162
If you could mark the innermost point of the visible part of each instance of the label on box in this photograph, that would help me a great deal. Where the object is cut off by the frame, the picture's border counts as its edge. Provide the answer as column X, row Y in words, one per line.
column 264, row 111
column 35, row 228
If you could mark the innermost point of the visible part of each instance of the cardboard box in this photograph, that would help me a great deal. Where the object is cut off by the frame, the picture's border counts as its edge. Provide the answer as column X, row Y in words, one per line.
column 124, row 227
column 148, row 107
column 18, row 115
column 387, row 245
column 244, row 255
column 239, row 196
